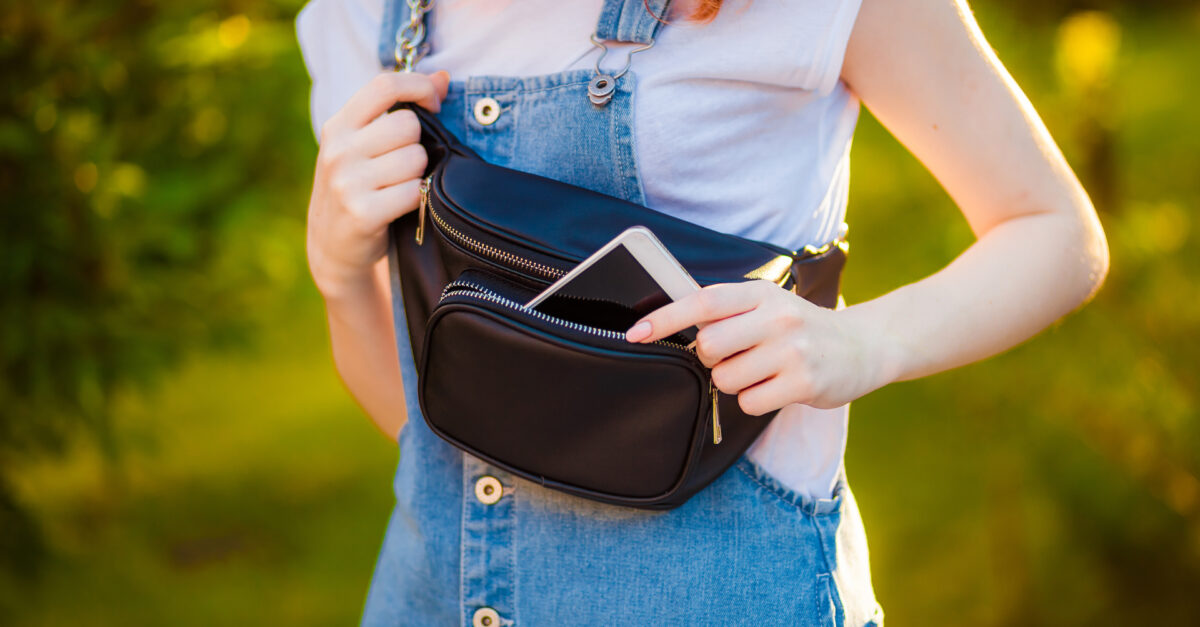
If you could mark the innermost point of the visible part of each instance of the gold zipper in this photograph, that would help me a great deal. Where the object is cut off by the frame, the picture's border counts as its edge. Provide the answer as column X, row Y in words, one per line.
column 717, row 436
column 426, row 207
column 480, row 247
column 422, row 208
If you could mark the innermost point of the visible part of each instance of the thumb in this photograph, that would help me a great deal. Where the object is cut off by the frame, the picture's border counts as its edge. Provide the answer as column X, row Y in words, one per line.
column 441, row 83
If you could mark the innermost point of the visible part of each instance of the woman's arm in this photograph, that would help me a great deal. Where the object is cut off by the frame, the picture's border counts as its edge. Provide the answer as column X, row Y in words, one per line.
column 367, row 174
column 364, row 348
column 926, row 72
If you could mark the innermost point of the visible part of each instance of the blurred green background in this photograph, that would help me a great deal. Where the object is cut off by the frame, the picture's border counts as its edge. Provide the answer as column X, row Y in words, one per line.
column 175, row 447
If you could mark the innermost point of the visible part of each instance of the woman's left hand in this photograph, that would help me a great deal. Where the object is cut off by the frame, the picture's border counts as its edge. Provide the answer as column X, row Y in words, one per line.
column 772, row 348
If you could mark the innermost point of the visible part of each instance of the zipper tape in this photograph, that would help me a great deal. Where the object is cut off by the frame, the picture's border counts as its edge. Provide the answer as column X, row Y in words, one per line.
column 481, row 248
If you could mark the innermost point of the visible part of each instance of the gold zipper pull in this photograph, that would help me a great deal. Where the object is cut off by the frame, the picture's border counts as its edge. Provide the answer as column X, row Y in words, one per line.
column 716, row 413
column 422, row 208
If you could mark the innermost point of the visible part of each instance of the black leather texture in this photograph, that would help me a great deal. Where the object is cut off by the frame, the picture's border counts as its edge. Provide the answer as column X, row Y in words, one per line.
column 557, row 396
column 571, row 403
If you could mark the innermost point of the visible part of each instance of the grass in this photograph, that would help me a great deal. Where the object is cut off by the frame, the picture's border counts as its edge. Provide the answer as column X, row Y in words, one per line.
column 248, row 490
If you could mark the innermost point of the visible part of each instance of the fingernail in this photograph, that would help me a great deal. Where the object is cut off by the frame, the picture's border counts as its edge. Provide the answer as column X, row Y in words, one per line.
column 638, row 332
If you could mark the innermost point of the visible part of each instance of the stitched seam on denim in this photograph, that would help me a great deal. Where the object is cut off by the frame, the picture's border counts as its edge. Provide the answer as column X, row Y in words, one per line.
column 462, row 546
column 513, row 538
column 614, row 151
column 629, row 21
column 514, row 130
column 774, row 492
column 824, row 549
column 517, row 89
column 639, row 182
column 609, row 18
column 483, row 83
column 783, row 493
column 835, row 599
column 630, row 174
column 861, row 593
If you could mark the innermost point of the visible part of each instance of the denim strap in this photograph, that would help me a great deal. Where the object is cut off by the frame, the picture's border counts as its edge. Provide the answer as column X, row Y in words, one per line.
column 630, row 21
column 620, row 20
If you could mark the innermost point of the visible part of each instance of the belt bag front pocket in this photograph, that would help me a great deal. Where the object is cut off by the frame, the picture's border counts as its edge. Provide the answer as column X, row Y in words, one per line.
column 568, row 405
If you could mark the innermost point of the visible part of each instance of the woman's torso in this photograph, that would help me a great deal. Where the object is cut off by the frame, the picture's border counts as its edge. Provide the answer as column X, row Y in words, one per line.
column 734, row 130
column 748, row 549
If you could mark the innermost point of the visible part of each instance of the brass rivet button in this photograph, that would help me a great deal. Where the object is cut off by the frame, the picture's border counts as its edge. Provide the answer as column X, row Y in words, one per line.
column 488, row 490
column 487, row 110
column 485, row 617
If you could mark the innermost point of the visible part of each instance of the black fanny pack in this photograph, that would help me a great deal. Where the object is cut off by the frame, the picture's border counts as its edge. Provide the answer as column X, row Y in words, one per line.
column 555, row 394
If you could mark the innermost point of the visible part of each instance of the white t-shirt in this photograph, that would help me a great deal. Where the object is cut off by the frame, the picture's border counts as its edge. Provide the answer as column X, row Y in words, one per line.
column 741, row 125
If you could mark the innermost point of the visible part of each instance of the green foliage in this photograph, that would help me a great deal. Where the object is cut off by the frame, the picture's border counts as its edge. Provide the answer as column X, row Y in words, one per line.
column 152, row 186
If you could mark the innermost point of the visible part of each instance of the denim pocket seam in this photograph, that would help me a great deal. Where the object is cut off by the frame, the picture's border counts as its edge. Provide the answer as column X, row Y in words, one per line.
column 837, row 616
column 780, row 492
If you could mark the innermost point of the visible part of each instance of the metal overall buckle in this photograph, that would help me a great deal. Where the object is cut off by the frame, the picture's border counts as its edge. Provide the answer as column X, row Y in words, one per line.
column 603, row 85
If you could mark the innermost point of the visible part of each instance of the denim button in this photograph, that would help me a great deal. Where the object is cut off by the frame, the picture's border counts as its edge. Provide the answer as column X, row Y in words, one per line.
column 487, row 110
column 485, row 617
column 488, row 490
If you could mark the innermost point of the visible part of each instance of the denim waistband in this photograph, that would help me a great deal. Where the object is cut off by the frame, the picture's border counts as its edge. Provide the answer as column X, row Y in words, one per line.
column 806, row 503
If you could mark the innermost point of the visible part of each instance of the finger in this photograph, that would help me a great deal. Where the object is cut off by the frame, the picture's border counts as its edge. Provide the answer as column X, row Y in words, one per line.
column 393, row 201
column 711, row 303
column 734, row 334
column 385, row 90
column 387, row 133
column 441, row 83
column 766, row 396
column 746, row 369
column 397, row 166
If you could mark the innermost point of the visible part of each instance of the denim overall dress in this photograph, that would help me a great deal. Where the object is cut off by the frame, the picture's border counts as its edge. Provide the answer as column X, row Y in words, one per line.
column 468, row 544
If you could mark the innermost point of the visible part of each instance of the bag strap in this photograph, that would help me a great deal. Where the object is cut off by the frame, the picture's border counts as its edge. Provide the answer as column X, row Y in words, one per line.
column 410, row 37
column 403, row 19
column 434, row 137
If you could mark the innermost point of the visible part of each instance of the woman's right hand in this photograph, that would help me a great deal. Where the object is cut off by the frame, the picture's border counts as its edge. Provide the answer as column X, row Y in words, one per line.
column 368, row 172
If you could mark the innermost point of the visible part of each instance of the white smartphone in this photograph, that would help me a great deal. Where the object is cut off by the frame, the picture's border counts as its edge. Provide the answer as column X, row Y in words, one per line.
column 634, row 270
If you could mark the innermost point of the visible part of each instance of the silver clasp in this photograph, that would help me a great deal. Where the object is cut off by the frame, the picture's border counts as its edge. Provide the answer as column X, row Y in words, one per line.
column 603, row 84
